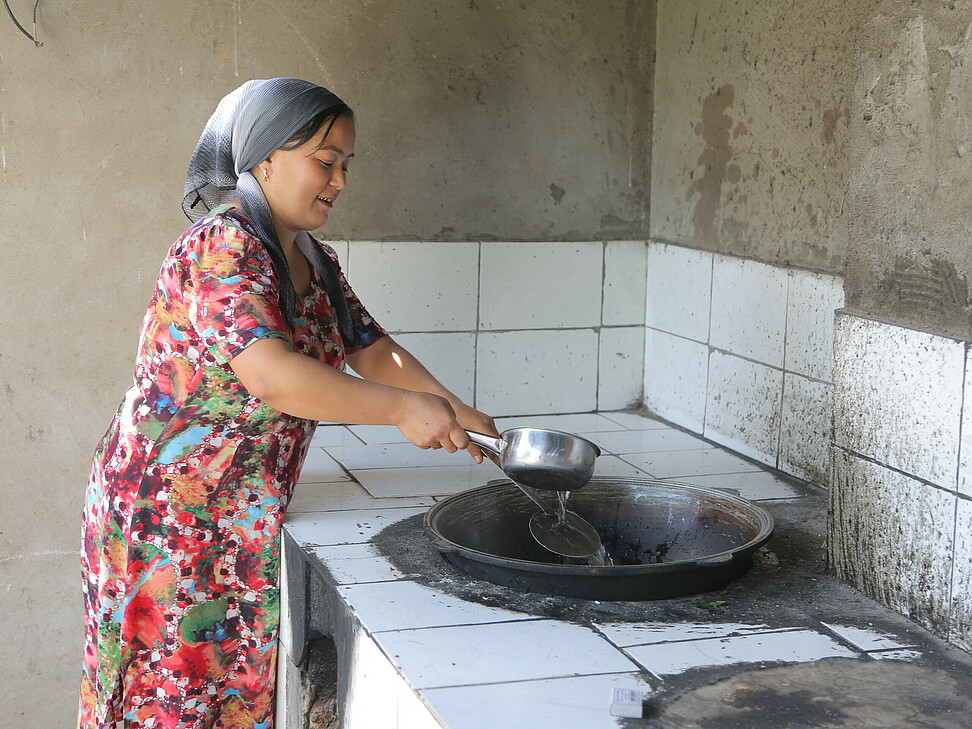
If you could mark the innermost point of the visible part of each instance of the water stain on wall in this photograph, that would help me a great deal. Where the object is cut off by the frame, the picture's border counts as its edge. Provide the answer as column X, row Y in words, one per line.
column 715, row 129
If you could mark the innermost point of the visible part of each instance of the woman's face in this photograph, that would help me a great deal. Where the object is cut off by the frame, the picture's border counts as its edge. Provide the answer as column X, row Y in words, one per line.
column 302, row 184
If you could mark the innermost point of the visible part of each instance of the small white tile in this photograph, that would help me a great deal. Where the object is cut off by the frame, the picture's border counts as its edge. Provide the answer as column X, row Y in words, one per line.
column 614, row 467
column 686, row 463
column 378, row 433
column 812, row 299
column 565, row 703
column 354, row 563
column 385, row 483
column 568, row 423
column 676, row 372
column 749, row 309
column 678, row 291
column 629, row 634
column 646, row 441
column 755, row 485
column 793, row 646
column 805, row 428
column 893, row 537
column 625, row 280
column 537, row 372
column 404, row 605
column 865, row 639
column 633, row 421
column 960, row 615
column 333, row 435
column 343, row 496
column 621, row 367
column 370, row 674
column 320, row 528
column 898, row 397
column 540, row 285
column 418, row 286
column 744, row 406
column 451, row 357
column 512, row 651
column 412, row 711
column 397, row 455
column 319, row 467
column 904, row 654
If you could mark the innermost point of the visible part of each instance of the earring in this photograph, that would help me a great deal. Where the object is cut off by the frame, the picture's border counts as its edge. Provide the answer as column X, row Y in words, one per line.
column 266, row 175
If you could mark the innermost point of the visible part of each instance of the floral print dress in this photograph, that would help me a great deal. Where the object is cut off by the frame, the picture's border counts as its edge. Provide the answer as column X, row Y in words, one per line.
column 188, row 490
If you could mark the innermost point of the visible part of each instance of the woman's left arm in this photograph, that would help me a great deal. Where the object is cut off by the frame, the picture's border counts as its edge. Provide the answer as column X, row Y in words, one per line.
column 387, row 362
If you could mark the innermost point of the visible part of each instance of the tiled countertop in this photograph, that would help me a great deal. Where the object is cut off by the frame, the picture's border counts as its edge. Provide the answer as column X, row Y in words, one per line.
column 466, row 665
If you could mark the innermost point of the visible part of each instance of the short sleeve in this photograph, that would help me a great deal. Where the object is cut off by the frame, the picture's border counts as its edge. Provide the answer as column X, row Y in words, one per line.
column 230, row 291
column 364, row 329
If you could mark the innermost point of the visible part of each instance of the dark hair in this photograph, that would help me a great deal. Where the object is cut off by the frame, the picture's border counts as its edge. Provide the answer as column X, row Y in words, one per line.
column 327, row 117
column 287, row 296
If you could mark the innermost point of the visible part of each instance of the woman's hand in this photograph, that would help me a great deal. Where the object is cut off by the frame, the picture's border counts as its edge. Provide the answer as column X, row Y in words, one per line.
column 428, row 421
column 472, row 419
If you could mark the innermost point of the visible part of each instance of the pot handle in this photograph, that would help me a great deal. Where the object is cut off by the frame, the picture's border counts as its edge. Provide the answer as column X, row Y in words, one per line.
column 486, row 441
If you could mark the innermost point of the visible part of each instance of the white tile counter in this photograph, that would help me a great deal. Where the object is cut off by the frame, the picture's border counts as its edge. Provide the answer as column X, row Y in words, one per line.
column 418, row 658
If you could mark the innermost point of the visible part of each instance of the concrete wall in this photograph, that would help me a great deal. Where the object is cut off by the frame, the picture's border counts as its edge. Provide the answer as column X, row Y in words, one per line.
column 911, row 146
column 751, row 128
column 476, row 121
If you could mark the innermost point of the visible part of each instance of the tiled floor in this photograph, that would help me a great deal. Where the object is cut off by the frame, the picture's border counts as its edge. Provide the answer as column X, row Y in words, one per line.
column 514, row 668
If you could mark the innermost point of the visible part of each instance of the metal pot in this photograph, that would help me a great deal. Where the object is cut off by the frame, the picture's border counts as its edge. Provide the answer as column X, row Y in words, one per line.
column 549, row 460
column 667, row 539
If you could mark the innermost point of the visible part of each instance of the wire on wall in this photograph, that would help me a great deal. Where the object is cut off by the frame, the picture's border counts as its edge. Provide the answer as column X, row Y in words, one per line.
column 20, row 27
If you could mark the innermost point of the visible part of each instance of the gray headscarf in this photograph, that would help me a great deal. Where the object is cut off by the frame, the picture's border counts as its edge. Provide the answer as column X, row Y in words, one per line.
column 249, row 124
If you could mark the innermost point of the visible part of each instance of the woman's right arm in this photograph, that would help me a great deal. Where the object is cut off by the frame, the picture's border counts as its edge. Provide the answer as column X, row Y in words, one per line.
column 306, row 388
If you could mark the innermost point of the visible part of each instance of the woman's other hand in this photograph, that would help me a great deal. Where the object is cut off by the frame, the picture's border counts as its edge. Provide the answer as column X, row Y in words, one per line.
column 428, row 421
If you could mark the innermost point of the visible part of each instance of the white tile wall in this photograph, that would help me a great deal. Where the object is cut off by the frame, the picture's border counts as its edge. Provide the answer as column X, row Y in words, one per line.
column 679, row 291
column 540, row 285
column 893, row 536
column 452, row 355
column 676, row 376
column 539, row 372
column 811, row 302
column 898, row 397
column 417, row 287
column 805, row 428
column 960, row 615
column 743, row 411
column 722, row 335
column 965, row 447
column 620, row 371
column 625, row 268
column 749, row 309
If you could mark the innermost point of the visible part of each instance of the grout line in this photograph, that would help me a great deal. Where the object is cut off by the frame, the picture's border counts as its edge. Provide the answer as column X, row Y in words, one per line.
column 917, row 479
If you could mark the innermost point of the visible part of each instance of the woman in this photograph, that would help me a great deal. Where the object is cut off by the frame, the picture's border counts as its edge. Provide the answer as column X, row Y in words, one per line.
column 242, row 351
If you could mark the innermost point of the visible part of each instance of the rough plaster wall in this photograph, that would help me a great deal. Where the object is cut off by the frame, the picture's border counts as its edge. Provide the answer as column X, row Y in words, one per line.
column 910, row 199
column 502, row 120
column 751, row 127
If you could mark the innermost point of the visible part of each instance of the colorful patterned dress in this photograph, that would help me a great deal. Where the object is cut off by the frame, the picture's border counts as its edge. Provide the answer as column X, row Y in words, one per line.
column 187, row 493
